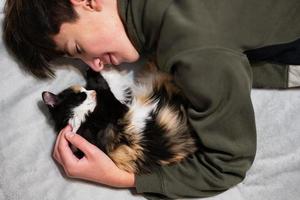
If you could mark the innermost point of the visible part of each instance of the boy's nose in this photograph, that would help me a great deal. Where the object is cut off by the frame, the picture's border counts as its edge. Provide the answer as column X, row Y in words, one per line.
column 95, row 63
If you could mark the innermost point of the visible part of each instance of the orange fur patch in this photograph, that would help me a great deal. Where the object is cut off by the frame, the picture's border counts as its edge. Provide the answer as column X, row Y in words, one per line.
column 76, row 88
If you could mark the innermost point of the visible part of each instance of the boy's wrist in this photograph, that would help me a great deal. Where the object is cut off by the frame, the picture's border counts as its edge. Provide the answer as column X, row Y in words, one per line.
column 130, row 180
column 124, row 179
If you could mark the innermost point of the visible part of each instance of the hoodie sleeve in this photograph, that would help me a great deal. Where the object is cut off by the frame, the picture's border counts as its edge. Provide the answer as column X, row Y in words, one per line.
column 217, row 83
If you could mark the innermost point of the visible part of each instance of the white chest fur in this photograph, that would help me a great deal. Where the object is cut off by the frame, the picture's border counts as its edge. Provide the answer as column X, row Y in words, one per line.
column 139, row 110
column 80, row 112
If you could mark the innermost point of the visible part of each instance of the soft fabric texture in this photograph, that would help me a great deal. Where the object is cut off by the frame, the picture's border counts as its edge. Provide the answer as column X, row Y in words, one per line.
column 28, row 171
column 294, row 74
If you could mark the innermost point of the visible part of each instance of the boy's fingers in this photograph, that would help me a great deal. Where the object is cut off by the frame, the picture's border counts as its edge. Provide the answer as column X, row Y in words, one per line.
column 56, row 154
column 78, row 141
column 55, row 151
column 65, row 152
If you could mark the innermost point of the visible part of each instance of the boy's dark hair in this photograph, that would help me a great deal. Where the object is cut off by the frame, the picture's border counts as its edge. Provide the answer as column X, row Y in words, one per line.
column 28, row 26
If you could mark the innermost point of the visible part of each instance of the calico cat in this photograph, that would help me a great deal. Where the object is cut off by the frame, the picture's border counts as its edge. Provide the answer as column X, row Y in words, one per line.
column 138, row 122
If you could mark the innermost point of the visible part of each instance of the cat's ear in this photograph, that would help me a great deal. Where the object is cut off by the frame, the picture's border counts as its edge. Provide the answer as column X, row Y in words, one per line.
column 49, row 99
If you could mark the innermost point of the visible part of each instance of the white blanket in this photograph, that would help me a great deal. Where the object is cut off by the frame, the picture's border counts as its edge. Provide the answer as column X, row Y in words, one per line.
column 28, row 172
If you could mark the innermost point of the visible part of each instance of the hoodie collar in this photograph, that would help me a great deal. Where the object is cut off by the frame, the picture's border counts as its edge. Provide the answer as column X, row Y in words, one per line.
column 131, row 14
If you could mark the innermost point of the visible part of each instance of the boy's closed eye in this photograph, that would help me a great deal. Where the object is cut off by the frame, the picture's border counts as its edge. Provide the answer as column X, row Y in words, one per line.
column 78, row 50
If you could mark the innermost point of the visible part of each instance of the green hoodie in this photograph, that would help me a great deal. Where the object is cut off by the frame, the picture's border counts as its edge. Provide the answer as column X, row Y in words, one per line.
column 201, row 42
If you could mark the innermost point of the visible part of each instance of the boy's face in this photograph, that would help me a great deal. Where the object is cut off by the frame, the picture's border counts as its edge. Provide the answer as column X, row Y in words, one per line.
column 97, row 38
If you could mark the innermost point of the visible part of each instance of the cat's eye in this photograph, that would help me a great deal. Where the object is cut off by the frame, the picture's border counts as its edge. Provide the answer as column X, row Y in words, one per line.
column 82, row 96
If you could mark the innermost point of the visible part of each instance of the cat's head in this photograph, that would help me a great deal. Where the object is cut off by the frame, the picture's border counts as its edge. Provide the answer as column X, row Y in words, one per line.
column 71, row 106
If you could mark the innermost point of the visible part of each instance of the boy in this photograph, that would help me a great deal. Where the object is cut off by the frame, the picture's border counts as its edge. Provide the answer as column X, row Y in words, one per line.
column 201, row 42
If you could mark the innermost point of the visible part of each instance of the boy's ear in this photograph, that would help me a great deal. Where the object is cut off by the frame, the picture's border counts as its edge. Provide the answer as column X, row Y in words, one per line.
column 92, row 5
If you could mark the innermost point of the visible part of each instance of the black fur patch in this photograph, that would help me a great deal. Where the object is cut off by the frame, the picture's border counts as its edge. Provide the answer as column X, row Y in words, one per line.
column 62, row 111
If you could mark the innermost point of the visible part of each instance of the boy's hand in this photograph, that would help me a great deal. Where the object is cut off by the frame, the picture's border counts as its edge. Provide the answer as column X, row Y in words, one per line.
column 95, row 166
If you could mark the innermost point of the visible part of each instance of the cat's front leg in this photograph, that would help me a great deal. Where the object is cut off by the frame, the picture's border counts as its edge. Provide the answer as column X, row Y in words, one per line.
column 95, row 81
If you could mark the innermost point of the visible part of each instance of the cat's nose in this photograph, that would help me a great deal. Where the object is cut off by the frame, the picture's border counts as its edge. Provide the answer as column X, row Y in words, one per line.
column 93, row 94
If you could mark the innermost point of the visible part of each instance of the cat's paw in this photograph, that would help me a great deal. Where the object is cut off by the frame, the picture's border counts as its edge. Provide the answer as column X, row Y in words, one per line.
column 95, row 81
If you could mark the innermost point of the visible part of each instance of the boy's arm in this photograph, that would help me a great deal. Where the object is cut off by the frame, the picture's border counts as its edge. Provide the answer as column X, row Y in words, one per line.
column 217, row 82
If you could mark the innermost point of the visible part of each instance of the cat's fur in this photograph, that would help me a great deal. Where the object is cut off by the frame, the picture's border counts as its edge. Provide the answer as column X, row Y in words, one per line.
column 139, row 124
